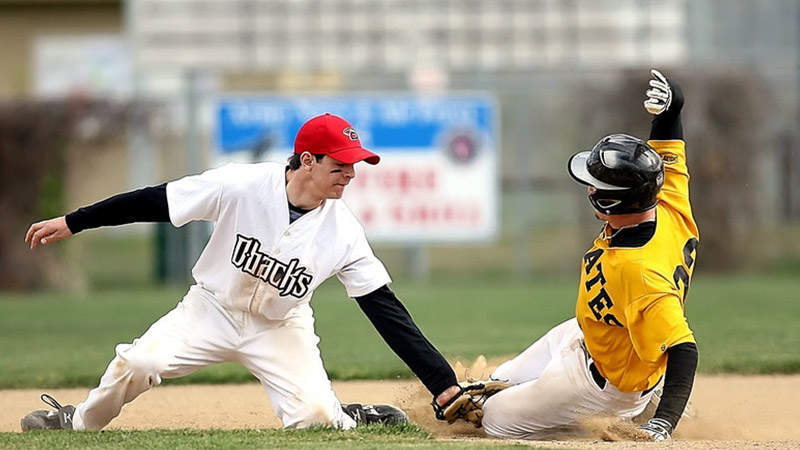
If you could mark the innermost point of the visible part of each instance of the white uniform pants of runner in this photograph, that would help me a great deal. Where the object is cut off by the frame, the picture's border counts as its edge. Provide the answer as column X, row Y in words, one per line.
column 282, row 354
column 553, row 390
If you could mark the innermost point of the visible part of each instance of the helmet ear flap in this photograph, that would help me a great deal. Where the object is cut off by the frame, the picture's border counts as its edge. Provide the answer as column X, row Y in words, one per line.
column 607, row 203
column 604, row 205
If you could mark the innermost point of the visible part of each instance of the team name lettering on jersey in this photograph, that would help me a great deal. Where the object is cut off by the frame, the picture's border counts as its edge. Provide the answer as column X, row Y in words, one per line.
column 289, row 279
column 602, row 301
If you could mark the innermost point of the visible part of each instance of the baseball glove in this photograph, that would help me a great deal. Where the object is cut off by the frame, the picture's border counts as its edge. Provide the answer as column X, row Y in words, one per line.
column 468, row 403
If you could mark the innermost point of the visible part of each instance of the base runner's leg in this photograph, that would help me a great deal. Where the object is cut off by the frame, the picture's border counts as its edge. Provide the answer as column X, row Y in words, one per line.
column 284, row 355
column 530, row 364
column 193, row 335
column 562, row 396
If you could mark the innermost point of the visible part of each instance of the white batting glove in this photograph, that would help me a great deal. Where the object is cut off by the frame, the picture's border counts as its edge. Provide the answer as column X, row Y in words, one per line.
column 659, row 96
column 657, row 429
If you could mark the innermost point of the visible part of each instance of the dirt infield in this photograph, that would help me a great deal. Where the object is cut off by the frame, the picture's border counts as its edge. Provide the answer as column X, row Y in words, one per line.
column 732, row 411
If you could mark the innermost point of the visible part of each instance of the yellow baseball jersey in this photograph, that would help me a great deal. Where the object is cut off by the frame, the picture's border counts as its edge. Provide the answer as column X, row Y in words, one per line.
column 631, row 299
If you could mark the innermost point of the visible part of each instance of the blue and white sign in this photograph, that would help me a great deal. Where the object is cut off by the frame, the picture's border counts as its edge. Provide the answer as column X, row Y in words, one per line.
column 438, row 176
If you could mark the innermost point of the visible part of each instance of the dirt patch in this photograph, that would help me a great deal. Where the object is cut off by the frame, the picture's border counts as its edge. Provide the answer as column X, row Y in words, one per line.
column 732, row 411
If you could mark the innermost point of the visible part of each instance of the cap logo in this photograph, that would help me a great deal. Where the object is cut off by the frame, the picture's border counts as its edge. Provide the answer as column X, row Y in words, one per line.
column 351, row 133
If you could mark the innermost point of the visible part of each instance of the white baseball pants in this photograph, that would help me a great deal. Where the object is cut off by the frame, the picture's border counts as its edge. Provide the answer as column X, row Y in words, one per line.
column 552, row 390
column 282, row 354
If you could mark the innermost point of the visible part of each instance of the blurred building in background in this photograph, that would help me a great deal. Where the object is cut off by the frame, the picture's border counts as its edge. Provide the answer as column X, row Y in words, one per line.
column 400, row 36
column 564, row 73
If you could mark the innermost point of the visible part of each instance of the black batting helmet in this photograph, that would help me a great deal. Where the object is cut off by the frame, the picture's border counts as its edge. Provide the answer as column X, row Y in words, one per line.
column 625, row 172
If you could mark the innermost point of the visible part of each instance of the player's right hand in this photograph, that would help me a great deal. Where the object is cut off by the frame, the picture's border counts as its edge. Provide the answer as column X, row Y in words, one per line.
column 47, row 231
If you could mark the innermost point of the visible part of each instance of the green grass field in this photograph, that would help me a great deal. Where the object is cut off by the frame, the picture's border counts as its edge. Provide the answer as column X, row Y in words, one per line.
column 743, row 324
column 372, row 437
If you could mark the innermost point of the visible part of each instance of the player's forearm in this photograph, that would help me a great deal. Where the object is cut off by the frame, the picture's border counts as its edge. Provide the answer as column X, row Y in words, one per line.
column 394, row 323
column 678, row 381
column 666, row 128
column 667, row 125
column 144, row 205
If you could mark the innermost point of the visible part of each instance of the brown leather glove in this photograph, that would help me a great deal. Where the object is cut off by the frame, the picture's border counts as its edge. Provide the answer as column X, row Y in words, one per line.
column 468, row 403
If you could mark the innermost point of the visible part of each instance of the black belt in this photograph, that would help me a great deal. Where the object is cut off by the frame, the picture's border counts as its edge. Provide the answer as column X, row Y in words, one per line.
column 599, row 379
column 602, row 382
column 650, row 389
column 597, row 376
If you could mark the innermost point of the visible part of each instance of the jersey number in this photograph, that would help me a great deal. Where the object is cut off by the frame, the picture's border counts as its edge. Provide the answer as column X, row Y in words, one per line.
column 681, row 273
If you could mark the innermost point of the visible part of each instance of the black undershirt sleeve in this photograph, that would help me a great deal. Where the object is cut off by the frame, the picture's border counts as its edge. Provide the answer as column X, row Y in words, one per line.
column 667, row 125
column 144, row 205
column 678, row 381
column 394, row 323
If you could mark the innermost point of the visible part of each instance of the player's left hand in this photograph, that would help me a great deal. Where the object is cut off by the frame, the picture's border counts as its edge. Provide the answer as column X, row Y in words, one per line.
column 468, row 403
column 657, row 429
column 659, row 96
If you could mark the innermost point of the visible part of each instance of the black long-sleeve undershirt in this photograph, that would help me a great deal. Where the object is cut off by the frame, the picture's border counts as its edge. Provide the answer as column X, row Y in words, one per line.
column 143, row 205
column 667, row 125
column 394, row 323
column 678, row 381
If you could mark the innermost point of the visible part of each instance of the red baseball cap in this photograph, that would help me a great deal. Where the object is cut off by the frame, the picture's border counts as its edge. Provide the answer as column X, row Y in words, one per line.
column 333, row 136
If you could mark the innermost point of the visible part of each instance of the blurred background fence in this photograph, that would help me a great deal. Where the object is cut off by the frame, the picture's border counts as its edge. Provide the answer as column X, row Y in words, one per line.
column 98, row 97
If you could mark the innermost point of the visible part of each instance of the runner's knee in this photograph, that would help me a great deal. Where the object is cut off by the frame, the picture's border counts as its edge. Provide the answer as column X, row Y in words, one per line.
column 502, row 422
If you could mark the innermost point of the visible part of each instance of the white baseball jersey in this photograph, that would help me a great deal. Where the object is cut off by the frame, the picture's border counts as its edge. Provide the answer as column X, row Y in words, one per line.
column 256, row 260
column 254, row 278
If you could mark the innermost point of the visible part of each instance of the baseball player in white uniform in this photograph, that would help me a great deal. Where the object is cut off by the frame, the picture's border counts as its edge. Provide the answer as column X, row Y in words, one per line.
column 279, row 232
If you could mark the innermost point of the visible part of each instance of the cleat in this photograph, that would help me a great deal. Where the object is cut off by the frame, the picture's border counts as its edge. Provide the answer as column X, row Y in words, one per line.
column 59, row 418
column 369, row 414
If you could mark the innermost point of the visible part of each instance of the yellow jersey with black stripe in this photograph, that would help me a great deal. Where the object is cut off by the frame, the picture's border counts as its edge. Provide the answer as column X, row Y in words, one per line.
column 631, row 298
